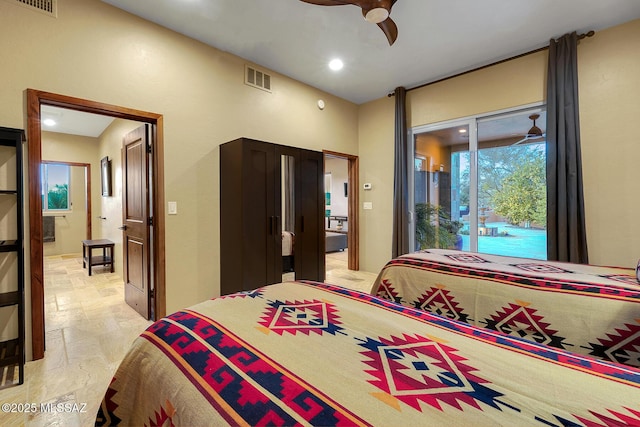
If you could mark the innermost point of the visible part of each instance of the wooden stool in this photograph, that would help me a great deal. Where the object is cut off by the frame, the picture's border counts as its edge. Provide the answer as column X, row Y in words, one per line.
column 89, row 261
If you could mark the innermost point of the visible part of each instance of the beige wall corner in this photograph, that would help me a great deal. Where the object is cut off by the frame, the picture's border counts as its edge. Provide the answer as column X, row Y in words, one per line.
column 376, row 153
column 609, row 85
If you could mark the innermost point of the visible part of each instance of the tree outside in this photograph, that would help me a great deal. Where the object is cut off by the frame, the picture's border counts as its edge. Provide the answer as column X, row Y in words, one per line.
column 511, row 182
column 523, row 196
column 58, row 197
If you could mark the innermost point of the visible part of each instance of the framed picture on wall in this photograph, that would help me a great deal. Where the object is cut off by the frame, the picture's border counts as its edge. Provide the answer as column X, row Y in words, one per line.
column 105, row 176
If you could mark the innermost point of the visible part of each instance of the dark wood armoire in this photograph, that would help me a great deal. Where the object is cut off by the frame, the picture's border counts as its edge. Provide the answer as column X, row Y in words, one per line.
column 266, row 188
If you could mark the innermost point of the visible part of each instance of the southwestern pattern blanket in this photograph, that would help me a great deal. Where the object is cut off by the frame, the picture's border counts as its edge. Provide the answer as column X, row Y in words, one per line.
column 589, row 310
column 306, row 353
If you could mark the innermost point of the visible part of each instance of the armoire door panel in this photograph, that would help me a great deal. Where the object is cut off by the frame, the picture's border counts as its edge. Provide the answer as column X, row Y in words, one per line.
column 254, row 212
column 310, row 244
column 258, row 213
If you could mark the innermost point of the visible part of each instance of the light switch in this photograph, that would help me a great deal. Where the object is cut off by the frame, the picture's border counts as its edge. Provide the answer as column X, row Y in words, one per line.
column 367, row 205
column 173, row 208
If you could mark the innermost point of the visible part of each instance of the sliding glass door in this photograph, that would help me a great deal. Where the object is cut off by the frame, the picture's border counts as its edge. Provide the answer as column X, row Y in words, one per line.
column 479, row 184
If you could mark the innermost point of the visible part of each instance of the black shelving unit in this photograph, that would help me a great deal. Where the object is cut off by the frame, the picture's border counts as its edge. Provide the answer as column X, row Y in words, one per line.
column 12, row 354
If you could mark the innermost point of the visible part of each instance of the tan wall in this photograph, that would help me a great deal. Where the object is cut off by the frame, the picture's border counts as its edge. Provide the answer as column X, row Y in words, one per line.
column 517, row 82
column 71, row 229
column 376, row 125
column 609, row 75
column 95, row 51
column 609, row 84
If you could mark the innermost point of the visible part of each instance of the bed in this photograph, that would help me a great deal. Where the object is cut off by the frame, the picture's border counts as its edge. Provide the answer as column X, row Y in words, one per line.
column 587, row 309
column 307, row 353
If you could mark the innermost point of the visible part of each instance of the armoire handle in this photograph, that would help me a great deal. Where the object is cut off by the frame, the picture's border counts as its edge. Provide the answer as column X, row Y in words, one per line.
column 302, row 223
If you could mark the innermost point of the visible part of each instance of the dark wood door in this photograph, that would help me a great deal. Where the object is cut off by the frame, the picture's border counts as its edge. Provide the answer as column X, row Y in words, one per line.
column 310, row 242
column 260, row 216
column 136, row 219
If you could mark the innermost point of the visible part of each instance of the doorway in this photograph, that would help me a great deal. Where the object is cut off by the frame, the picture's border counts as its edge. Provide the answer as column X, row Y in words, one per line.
column 66, row 205
column 341, row 210
column 35, row 100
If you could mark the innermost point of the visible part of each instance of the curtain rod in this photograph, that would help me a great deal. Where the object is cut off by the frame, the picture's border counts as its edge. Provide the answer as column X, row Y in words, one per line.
column 540, row 49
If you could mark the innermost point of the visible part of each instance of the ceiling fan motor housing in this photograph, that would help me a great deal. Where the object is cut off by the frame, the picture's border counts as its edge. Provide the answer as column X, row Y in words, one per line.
column 376, row 11
column 376, row 15
column 535, row 130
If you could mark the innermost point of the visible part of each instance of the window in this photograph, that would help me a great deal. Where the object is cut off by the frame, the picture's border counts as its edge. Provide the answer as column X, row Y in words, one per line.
column 482, row 185
column 55, row 190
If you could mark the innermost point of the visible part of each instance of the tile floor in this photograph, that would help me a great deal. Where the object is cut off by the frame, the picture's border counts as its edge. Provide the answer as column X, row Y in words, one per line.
column 89, row 328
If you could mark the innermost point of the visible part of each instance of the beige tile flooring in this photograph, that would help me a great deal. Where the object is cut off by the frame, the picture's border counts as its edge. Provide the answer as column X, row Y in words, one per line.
column 337, row 273
column 89, row 327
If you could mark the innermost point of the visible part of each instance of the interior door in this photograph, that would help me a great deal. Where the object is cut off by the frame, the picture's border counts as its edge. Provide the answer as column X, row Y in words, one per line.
column 310, row 241
column 136, row 219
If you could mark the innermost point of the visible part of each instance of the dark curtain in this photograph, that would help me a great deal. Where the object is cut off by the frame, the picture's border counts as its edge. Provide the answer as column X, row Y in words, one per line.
column 566, row 236
column 400, row 179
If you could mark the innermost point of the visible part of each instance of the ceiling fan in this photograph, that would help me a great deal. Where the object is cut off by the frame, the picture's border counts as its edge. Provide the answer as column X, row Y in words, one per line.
column 374, row 11
column 535, row 133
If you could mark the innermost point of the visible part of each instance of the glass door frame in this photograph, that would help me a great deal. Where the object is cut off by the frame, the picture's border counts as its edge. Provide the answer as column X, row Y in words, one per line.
column 472, row 123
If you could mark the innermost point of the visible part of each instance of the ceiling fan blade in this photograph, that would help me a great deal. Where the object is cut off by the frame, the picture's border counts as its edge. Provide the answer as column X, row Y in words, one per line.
column 520, row 142
column 388, row 27
column 532, row 138
column 371, row 4
column 328, row 2
column 390, row 30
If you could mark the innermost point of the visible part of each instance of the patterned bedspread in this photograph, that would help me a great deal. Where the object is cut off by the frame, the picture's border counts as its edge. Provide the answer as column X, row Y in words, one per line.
column 586, row 309
column 305, row 353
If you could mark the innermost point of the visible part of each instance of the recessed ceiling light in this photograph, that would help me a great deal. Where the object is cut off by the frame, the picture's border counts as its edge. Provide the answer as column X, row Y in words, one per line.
column 462, row 130
column 49, row 122
column 336, row 64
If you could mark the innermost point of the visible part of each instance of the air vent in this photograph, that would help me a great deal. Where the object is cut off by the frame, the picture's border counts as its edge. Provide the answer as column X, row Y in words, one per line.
column 256, row 78
column 48, row 7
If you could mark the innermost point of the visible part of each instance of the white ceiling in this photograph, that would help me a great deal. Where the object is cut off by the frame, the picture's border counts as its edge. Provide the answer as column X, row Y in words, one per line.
column 73, row 122
column 436, row 38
